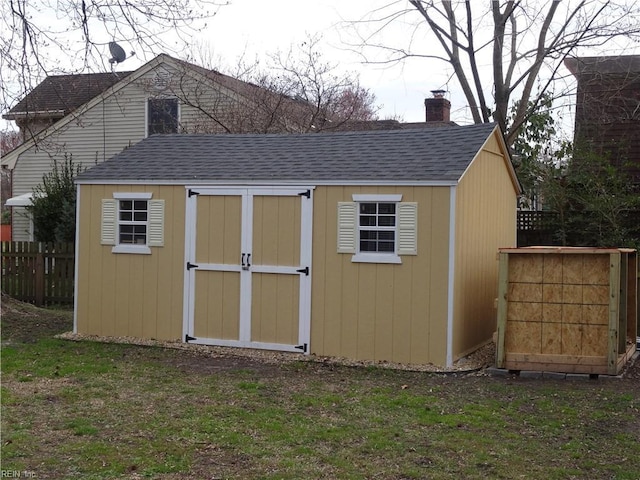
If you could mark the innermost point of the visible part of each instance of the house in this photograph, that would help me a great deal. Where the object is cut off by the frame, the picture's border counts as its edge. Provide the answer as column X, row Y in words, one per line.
column 373, row 245
column 95, row 116
column 608, row 108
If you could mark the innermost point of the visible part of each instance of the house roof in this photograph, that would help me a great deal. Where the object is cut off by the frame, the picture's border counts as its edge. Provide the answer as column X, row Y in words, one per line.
column 417, row 155
column 58, row 95
column 620, row 64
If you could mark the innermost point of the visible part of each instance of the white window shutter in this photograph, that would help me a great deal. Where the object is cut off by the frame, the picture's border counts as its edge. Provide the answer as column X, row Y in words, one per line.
column 109, row 222
column 347, row 221
column 407, row 228
column 156, row 223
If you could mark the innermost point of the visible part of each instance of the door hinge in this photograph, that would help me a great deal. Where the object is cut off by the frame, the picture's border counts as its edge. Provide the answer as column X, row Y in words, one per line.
column 304, row 270
column 192, row 193
column 302, row 347
column 191, row 265
column 188, row 338
column 305, row 194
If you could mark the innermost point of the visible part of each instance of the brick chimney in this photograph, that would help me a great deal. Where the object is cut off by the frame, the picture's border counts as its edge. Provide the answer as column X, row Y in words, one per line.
column 438, row 108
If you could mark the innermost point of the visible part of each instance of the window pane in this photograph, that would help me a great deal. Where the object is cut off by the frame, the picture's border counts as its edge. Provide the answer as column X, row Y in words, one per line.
column 368, row 235
column 367, row 221
column 385, row 247
column 126, row 204
column 386, row 235
column 125, row 216
column 366, row 246
column 386, row 208
column 385, row 221
column 140, row 205
column 139, row 216
column 368, row 208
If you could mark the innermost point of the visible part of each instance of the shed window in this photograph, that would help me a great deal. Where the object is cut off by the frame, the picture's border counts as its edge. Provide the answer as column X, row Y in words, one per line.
column 132, row 223
column 377, row 228
column 162, row 116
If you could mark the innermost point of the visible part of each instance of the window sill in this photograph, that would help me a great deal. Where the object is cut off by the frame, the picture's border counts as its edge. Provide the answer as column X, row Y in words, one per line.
column 376, row 258
column 136, row 249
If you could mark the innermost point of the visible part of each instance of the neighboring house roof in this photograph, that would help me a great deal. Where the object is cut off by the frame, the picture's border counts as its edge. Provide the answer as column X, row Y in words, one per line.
column 419, row 155
column 59, row 95
column 598, row 65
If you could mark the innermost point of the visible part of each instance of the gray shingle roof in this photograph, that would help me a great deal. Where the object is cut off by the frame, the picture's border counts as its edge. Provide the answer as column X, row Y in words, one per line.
column 421, row 155
column 61, row 94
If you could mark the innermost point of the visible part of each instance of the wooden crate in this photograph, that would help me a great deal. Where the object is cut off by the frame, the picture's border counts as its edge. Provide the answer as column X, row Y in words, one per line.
column 562, row 309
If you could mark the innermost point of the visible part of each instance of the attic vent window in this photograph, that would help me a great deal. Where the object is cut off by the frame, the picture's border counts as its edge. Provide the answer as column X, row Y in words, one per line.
column 161, row 81
column 162, row 116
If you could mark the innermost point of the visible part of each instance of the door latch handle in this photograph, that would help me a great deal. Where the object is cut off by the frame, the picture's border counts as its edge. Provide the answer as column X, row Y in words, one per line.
column 242, row 260
column 248, row 260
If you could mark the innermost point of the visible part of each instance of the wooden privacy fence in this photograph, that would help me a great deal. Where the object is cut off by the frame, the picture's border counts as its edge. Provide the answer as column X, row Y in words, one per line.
column 38, row 273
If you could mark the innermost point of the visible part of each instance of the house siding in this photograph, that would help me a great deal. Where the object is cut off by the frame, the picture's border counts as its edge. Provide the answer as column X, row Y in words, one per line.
column 486, row 200
column 381, row 311
column 105, row 129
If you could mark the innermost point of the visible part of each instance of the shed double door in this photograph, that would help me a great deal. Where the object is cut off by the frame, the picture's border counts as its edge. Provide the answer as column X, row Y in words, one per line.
column 248, row 260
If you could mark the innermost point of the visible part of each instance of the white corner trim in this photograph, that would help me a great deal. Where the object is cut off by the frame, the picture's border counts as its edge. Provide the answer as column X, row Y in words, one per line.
column 376, row 198
column 132, row 196
column 450, row 280
column 137, row 249
column 76, row 267
column 365, row 257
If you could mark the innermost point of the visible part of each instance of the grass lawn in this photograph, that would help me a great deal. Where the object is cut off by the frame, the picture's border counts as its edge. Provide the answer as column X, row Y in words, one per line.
column 96, row 411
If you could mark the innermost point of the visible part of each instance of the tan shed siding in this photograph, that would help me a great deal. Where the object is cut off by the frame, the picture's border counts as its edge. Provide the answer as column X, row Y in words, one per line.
column 485, row 220
column 129, row 294
column 381, row 311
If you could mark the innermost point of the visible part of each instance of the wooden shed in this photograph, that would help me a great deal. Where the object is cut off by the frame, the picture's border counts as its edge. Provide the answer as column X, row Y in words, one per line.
column 564, row 309
column 366, row 245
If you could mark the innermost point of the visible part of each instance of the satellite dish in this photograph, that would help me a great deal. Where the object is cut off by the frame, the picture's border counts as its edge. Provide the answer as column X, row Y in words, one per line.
column 117, row 53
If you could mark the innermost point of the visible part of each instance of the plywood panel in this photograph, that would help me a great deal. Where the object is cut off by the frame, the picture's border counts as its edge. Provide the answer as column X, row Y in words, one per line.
column 571, row 339
column 524, row 311
column 523, row 337
column 551, row 338
column 552, row 268
column 525, row 292
column 581, row 314
column 525, row 269
column 572, row 269
column 596, row 270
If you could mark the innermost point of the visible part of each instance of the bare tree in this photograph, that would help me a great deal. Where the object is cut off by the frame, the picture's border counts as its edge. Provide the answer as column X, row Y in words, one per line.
column 523, row 41
column 41, row 37
column 297, row 92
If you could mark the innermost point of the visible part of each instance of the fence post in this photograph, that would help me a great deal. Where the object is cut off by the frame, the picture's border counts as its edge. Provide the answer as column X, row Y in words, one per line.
column 39, row 279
